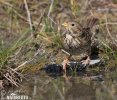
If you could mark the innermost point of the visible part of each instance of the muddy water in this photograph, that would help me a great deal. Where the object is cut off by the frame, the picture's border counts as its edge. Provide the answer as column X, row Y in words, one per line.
column 40, row 86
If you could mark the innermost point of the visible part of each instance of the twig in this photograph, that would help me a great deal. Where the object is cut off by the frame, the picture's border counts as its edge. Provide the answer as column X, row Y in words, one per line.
column 12, row 81
column 29, row 16
column 16, row 72
column 24, row 63
column 40, row 18
column 84, row 6
column 39, row 21
column 18, row 51
column 65, row 52
column 109, row 23
column 50, row 9
column 109, row 32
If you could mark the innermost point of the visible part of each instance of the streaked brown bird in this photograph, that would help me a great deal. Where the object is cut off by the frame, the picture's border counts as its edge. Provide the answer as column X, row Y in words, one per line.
column 78, row 39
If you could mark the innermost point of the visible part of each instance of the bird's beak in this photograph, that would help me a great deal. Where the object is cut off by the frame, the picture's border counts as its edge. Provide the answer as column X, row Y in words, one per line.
column 65, row 25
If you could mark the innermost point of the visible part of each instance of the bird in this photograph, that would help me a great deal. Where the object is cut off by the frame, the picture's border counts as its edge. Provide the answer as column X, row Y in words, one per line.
column 78, row 39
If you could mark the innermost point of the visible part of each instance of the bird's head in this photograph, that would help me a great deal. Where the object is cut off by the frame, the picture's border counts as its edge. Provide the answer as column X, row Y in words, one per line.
column 73, row 27
column 70, row 25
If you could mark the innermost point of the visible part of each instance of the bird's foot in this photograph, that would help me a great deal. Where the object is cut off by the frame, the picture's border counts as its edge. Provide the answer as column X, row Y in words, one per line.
column 86, row 62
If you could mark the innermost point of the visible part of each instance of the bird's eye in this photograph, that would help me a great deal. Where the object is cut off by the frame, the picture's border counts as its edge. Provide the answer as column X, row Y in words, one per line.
column 73, row 24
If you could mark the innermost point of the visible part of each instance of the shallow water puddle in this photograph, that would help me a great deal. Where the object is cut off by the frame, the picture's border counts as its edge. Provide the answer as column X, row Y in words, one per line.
column 83, row 87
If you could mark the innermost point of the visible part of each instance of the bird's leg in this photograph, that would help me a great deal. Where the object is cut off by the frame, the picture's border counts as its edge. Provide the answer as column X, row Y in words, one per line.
column 65, row 63
column 87, row 61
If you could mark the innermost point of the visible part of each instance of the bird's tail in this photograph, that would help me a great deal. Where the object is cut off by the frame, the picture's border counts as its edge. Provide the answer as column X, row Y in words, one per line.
column 87, row 29
column 90, row 22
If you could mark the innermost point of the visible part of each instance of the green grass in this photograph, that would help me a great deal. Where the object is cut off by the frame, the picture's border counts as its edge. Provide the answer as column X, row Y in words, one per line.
column 6, row 52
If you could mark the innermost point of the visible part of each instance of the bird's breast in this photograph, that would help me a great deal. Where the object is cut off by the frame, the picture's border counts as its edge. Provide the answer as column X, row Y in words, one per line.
column 71, row 41
column 76, row 44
